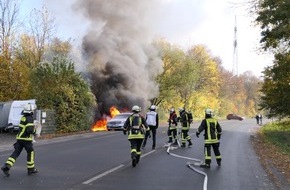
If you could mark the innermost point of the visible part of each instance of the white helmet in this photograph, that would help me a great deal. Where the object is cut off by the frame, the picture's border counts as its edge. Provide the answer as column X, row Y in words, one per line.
column 181, row 109
column 208, row 112
column 29, row 108
column 136, row 109
column 153, row 107
column 171, row 110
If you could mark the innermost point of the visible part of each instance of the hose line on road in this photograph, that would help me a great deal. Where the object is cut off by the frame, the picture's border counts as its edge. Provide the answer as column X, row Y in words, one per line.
column 196, row 162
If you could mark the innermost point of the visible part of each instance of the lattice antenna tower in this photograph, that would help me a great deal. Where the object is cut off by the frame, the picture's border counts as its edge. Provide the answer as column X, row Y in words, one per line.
column 235, row 70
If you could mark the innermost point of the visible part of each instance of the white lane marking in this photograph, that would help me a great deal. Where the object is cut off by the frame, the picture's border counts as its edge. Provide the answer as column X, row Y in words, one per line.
column 142, row 156
column 103, row 174
column 112, row 170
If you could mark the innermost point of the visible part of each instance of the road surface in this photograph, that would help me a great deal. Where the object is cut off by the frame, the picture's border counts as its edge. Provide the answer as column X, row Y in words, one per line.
column 102, row 161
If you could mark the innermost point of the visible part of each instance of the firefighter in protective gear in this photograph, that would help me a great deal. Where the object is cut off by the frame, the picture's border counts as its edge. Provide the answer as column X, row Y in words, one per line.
column 136, row 128
column 24, row 140
column 152, row 120
column 212, row 134
column 172, row 129
column 185, row 125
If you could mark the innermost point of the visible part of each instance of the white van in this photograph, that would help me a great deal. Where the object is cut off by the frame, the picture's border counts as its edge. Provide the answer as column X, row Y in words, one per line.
column 11, row 113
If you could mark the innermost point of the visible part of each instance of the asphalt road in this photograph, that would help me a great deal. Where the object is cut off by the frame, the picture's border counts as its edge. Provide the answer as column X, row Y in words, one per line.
column 102, row 161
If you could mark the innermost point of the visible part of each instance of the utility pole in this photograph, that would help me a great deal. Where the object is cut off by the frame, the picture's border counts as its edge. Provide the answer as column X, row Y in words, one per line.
column 235, row 70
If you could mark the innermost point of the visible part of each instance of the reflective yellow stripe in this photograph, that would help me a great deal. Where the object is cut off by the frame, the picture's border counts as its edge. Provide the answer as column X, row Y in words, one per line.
column 139, row 135
column 10, row 161
column 136, row 136
column 30, row 166
column 133, row 150
column 208, row 121
column 207, row 157
column 172, row 127
column 210, row 141
column 22, row 131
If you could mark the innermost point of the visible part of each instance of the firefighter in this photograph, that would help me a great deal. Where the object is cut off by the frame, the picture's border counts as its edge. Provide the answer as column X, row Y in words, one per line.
column 152, row 120
column 172, row 128
column 212, row 135
column 185, row 125
column 136, row 127
column 24, row 139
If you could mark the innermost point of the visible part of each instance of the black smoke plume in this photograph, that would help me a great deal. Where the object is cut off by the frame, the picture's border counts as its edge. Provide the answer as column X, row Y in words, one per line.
column 117, row 48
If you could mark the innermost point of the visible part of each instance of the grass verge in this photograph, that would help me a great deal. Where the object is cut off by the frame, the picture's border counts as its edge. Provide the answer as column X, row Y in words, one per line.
column 272, row 145
column 278, row 134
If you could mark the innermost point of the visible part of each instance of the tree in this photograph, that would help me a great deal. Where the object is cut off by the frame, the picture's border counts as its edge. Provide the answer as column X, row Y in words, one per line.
column 273, row 17
column 58, row 87
column 168, row 79
column 41, row 27
column 13, row 80
column 276, row 87
column 8, row 21
column 188, row 77
column 206, row 81
column 252, row 87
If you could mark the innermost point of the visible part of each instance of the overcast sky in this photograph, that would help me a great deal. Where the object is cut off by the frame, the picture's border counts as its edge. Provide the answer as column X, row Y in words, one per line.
column 185, row 23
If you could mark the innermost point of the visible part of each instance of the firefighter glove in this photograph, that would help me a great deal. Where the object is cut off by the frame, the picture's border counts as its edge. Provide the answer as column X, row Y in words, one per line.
column 124, row 132
column 197, row 134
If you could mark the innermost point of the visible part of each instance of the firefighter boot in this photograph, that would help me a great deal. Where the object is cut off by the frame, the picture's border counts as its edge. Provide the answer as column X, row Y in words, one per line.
column 204, row 165
column 219, row 162
column 137, row 159
column 134, row 161
column 31, row 171
column 183, row 145
column 175, row 142
column 5, row 170
column 189, row 143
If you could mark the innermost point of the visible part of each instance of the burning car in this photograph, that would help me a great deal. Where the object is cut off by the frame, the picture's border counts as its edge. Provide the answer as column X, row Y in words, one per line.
column 117, row 122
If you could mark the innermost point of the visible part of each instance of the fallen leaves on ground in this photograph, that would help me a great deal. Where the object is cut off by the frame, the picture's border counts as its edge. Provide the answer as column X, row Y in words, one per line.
column 275, row 163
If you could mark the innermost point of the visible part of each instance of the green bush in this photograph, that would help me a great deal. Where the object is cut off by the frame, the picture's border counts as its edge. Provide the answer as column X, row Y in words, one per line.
column 278, row 133
column 57, row 86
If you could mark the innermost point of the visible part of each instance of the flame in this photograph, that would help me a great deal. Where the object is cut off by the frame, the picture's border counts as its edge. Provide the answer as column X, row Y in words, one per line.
column 114, row 111
column 101, row 125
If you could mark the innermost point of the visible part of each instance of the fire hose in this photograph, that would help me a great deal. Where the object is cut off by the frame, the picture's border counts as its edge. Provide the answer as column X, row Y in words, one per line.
column 196, row 162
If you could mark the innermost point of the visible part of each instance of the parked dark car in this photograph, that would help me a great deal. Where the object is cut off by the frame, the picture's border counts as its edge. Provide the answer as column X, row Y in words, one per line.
column 232, row 116
column 117, row 122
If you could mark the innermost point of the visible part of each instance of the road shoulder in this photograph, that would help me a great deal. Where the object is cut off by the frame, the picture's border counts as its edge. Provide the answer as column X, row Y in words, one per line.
column 275, row 163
